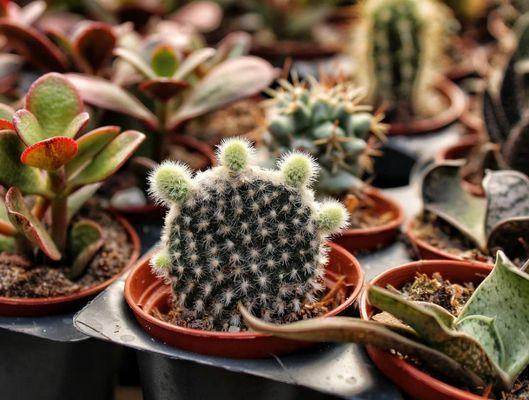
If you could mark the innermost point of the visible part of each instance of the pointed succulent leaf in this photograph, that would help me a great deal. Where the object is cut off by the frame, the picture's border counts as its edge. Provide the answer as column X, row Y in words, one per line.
column 443, row 196
column 107, row 95
column 85, row 240
column 50, row 154
column 55, row 102
column 510, row 94
column 27, row 127
column 193, row 61
column 163, row 89
column 13, row 173
column 345, row 329
column 503, row 296
column 34, row 46
column 110, row 159
column 94, row 42
column 495, row 119
column 24, row 221
column 164, row 61
column 516, row 147
column 136, row 61
column 78, row 198
column 89, row 145
column 228, row 82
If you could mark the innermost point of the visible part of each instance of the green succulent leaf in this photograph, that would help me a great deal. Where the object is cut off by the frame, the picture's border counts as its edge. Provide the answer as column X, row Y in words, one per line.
column 76, row 125
column 85, row 240
column 6, row 113
column 136, row 61
column 24, row 221
column 164, row 61
column 78, row 198
column 27, row 127
column 7, row 243
column 6, row 228
column 193, row 61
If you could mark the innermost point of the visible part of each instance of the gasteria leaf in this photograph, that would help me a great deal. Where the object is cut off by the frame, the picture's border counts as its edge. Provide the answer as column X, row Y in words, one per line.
column 50, row 154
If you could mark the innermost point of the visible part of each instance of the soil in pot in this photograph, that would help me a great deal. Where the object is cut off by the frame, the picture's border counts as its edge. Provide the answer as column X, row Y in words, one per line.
column 365, row 212
column 20, row 278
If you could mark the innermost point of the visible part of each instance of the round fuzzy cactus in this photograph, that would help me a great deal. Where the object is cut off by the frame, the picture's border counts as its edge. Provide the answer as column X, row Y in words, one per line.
column 326, row 120
column 238, row 233
column 399, row 48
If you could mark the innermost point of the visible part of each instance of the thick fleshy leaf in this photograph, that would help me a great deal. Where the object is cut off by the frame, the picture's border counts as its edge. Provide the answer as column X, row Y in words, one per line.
column 107, row 95
column 228, row 82
column 110, row 159
column 27, row 127
column 94, row 42
column 192, row 61
column 50, row 154
column 443, row 196
column 510, row 94
column 22, row 218
column 76, row 125
column 78, row 198
column 233, row 45
column 164, row 61
column 89, row 145
column 13, row 173
column 204, row 16
column 516, row 147
column 136, row 61
column 503, row 296
column 33, row 45
column 6, row 228
column 6, row 113
column 85, row 240
column 163, row 89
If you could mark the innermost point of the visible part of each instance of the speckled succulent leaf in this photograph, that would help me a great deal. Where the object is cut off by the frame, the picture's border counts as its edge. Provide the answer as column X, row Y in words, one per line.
column 54, row 102
column 50, row 154
column 85, row 240
column 78, row 198
column 503, row 296
column 89, row 145
column 443, row 316
column 444, row 197
column 164, row 61
column 136, row 61
column 516, row 147
column 110, row 159
column 345, row 329
column 25, row 223
column 225, row 83
column 94, row 43
column 13, row 173
column 240, row 233
column 193, row 61
column 27, row 127
column 109, row 96
column 34, row 46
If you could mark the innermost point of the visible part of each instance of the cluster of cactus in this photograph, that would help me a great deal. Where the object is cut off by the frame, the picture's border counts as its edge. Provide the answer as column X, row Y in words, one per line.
column 327, row 121
column 40, row 157
column 484, row 345
column 498, row 221
column 399, row 48
column 238, row 233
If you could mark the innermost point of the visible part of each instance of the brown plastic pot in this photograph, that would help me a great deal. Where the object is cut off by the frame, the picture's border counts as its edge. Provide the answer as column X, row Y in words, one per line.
column 457, row 106
column 368, row 239
column 24, row 307
column 145, row 292
column 414, row 382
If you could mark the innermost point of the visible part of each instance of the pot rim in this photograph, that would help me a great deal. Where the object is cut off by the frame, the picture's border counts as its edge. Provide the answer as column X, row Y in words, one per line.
column 247, row 335
column 458, row 105
column 404, row 367
column 90, row 291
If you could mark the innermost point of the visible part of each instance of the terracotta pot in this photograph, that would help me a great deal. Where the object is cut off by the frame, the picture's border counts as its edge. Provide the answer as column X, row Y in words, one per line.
column 461, row 150
column 457, row 106
column 367, row 239
column 145, row 292
column 414, row 382
column 24, row 307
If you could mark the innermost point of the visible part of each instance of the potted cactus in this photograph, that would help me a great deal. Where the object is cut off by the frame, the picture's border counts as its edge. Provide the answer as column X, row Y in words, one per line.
column 58, row 250
column 238, row 233
column 464, row 347
column 457, row 225
column 328, row 121
column 398, row 51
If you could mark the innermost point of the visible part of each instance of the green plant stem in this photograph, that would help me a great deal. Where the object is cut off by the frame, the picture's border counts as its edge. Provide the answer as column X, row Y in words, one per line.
column 160, row 140
column 59, row 209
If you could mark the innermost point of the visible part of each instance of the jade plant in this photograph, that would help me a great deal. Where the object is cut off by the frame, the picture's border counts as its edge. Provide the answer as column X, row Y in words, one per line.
column 399, row 48
column 50, row 171
column 328, row 121
column 241, row 233
column 484, row 345
column 500, row 220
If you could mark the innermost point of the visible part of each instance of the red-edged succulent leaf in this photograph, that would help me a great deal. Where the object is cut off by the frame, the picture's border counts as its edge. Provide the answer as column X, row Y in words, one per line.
column 136, row 61
column 193, row 61
column 6, row 117
column 13, row 173
column 204, row 16
column 78, row 198
column 55, row 103
column 163, row 89
column 107, row 95
column 110, row 159
column 85, row 240
column 27, row 127
column 6, row 228
column 50, row 154
column 228, row 82
column 22, row 218
column 76, row 125
column 5, row 124
column 94, row 42
column 33, row 45
column 89, row 145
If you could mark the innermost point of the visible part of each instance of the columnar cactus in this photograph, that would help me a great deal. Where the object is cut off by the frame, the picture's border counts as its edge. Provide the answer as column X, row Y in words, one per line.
column 328, row 121
column 238, row 233
column 399, row 47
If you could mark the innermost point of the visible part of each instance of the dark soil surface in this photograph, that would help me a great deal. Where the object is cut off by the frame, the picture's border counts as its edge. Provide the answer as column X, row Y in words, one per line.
column 364, row 213
column 20, row 277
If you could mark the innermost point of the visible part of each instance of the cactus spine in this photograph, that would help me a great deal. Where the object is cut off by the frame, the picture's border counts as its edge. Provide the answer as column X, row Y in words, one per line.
column 238, row 233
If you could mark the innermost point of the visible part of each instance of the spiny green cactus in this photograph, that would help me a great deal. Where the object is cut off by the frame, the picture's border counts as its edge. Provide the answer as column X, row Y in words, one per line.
column 485, row 344
column 398, row 49
column 240, row 233
column 326, row 120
